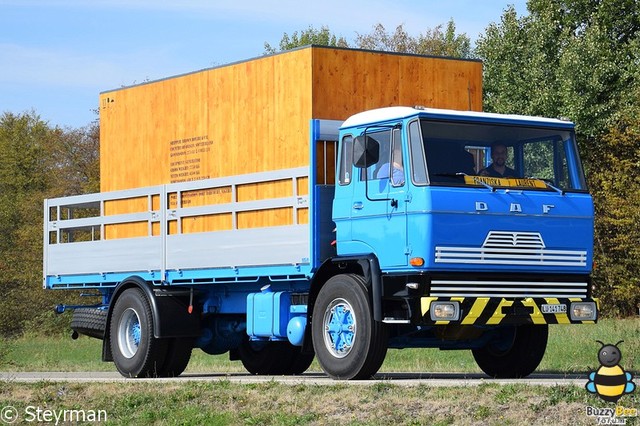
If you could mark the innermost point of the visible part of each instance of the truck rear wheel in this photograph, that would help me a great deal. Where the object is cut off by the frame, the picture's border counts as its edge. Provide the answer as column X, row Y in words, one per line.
column 177, row 357
column 300, row 361
column 515, row 355
column 136, row 353
column 348, row 343
column 273, row 358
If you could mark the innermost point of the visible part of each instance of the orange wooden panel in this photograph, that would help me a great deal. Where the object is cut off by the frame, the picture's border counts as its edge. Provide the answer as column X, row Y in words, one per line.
column 349, row 81
column 303, row 186
column 202, row 197
column 126, row 230
column 241, row 118
column 264, row 190
column 263, row 218
column 303, row 216
column 254, row 116
column 206, row 223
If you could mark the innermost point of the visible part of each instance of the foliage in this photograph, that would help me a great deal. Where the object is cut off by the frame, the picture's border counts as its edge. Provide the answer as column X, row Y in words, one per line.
column 580, row 59
column 436, row 41
column 36, row 162
column 617, row 207
column 322, row 37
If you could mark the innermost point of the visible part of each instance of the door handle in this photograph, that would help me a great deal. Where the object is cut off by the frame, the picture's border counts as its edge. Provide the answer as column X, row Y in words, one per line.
column 358, row 205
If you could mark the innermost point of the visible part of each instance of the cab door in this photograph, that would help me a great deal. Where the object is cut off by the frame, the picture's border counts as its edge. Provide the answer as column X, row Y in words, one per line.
column 379, row 204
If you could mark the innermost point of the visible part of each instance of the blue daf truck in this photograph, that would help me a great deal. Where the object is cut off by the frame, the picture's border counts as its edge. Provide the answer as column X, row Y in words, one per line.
column 416, row 245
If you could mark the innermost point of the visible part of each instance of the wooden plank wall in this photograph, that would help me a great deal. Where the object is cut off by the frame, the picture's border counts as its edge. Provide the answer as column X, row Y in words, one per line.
column 254, row 116
column 225, row 121
column 346, row 82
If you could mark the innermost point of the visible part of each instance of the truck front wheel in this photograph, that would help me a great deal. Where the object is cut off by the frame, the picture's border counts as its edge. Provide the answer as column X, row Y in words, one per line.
column 136, row 353
column 348, row 343
column 517, row 353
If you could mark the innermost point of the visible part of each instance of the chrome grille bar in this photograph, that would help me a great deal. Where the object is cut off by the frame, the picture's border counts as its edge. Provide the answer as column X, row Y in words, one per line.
column 508, row 289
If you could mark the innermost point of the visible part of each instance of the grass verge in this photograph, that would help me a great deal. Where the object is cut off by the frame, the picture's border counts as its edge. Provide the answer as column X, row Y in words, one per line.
column 223, row 403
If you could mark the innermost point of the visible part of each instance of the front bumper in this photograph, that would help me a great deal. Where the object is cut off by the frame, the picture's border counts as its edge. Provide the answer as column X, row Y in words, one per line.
column 502, row 311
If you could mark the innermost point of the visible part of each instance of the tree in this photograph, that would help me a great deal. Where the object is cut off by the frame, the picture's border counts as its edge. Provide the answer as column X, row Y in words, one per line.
column 575, row 58
column 36, row 162
column 76, row 161
column 380, row 39
column 581, row 59
column 436, row 41
column 322, row 37
column 617, row 206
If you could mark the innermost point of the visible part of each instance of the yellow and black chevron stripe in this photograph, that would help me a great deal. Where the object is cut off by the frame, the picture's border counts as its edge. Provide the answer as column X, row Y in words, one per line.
column 496, row 310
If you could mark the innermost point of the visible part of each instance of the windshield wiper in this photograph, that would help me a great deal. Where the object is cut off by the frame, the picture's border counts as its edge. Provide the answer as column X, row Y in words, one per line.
column 555, row 188
column 478, row 181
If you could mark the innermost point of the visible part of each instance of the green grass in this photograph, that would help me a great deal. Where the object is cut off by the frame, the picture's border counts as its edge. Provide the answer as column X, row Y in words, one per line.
column 223, row 402
column 571, row 349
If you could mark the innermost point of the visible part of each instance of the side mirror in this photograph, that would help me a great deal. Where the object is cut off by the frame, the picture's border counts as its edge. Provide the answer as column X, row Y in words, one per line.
column 366, row 151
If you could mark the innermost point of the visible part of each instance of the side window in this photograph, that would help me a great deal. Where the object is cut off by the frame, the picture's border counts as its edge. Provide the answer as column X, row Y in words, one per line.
column 380, row 170
column 397, row 162
column 418, row 163
column 346, row 160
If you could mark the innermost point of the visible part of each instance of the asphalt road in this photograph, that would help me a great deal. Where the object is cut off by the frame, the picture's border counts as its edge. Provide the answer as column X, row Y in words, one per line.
column 400, row 379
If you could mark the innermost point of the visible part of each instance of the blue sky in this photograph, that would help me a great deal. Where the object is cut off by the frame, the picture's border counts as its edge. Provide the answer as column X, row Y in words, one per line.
column 56, row 56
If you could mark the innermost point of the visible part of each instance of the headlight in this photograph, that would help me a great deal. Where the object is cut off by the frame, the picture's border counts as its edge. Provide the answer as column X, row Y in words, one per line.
column 583, row 311
column 445, row 311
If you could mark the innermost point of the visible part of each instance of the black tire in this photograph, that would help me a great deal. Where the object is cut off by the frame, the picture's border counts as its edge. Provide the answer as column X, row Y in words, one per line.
column 274, row 358
column 91, row 322
column 521, row 358
column 177, row 357
column 300, row 361
column 358, row 349
column 265, row 358
column 136, row 353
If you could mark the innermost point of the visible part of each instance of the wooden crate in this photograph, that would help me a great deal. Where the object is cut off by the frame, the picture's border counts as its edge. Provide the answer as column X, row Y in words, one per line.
column 254, row 116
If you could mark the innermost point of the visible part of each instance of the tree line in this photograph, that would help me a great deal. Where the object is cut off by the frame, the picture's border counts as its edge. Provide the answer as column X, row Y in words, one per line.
column 578, row 59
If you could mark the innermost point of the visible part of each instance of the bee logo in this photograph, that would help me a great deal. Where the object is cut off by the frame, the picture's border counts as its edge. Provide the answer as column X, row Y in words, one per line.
column 610, row 382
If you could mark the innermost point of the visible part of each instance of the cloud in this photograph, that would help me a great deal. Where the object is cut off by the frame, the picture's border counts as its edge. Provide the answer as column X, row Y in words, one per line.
column 51, row 66
column 342, row 17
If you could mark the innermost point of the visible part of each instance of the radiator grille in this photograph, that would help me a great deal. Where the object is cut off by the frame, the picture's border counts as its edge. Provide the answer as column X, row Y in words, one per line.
column 507, row 289
column 511, row 248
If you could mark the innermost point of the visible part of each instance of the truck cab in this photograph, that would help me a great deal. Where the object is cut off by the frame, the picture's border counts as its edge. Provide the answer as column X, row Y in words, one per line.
column 468, row 258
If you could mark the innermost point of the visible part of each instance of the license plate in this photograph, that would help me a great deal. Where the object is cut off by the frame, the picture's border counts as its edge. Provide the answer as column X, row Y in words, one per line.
column 554, row 309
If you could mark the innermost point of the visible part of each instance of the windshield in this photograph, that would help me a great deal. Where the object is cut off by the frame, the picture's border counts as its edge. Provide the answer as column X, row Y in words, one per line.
column 497, row 155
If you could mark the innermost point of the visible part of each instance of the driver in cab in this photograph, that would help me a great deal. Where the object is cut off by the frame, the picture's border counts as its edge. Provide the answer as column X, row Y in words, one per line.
column 498, row 168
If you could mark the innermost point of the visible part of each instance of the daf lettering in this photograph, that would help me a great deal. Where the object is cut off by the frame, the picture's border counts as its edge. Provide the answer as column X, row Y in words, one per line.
column 481, row 206
column 515, row 208
column 546, row 208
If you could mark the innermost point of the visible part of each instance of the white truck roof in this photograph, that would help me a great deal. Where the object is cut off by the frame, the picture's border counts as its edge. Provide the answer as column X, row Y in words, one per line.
column 391, row 113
